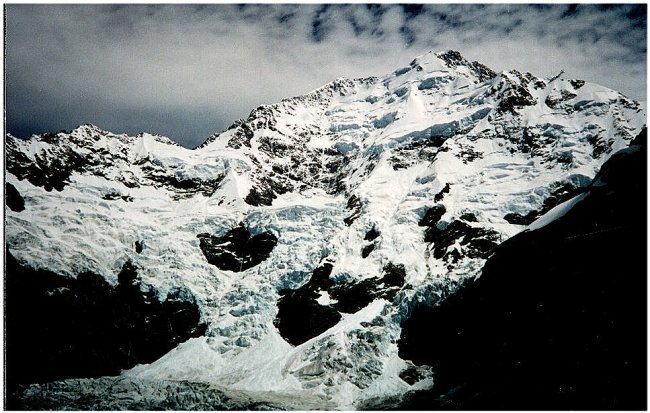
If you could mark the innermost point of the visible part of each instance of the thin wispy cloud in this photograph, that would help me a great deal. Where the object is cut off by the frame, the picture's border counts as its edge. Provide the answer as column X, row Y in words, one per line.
column 189, row 71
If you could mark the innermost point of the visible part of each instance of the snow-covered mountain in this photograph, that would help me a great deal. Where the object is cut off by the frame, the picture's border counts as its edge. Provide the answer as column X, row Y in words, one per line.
column 307, row 232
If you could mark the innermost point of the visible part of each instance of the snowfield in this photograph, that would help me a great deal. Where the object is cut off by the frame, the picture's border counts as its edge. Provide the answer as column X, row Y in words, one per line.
column 440, row 131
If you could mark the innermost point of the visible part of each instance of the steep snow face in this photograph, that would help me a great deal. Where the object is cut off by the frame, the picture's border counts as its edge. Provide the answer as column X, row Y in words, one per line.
column 427, row 168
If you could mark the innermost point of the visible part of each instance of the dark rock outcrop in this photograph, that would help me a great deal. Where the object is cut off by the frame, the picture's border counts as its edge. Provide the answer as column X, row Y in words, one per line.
column 372, row 235
column 522, row 219
column 301, row 317
column 237, row 250
column 352, row 297
column 513, row 92
column 59, row 327
column 477, row 241
column 560, row 192
column 161, row 177
column 558, row 318
column 366, row 250
column 53, row 173
column 354, row 204
column 440, row 195
column 453, row 59
column 432, row 216
column 469, row 217
column 577, row 83
column 259, row 197
column 112, row 196
column 555, row 101
column 13, row 199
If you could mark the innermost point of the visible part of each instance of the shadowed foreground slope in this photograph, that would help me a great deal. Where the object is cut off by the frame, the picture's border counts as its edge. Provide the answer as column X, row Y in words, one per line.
column 558, row 318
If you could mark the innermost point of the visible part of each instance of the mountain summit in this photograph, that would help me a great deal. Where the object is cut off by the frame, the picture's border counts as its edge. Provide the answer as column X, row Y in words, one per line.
column 306, row 233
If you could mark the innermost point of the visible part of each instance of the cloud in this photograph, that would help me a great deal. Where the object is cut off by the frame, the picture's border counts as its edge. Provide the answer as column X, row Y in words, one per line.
column 187, row 71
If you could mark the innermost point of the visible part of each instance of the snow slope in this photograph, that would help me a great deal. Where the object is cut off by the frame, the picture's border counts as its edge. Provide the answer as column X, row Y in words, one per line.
column 318, row 171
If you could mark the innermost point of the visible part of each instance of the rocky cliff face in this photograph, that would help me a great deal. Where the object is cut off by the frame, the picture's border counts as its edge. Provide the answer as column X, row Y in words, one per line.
column 306, row 233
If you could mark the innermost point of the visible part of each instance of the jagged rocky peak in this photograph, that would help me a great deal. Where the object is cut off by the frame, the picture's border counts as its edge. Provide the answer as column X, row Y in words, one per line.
column 339, row 85
column 88, row 131
column 158, row 138
column 450, row 59
column 88, row 128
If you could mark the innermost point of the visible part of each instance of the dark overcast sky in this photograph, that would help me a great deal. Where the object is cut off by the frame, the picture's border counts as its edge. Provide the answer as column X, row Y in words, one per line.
column 188, row 71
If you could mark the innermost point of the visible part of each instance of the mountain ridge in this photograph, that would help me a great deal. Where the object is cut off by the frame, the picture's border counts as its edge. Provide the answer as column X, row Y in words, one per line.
column 354, row 203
